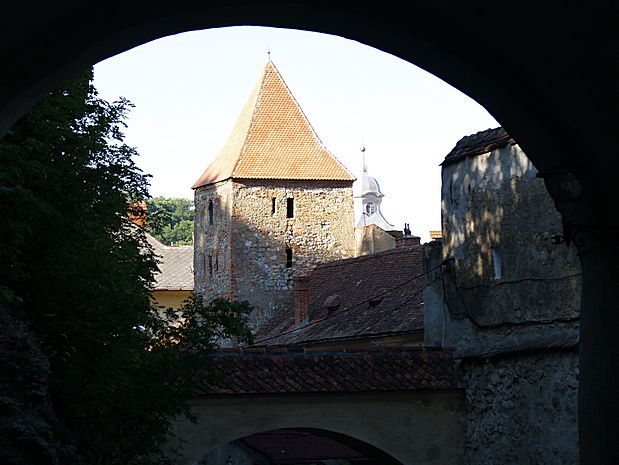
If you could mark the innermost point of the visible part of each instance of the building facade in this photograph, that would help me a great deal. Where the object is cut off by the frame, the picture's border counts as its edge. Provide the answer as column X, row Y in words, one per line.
column 273, row 204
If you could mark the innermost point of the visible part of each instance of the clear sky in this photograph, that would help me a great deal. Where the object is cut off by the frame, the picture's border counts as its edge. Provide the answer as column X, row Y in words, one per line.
column 189, row 89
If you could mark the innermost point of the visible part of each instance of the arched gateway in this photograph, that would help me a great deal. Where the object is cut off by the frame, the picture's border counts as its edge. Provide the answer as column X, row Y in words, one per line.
column 410, row 408
column 544, row 72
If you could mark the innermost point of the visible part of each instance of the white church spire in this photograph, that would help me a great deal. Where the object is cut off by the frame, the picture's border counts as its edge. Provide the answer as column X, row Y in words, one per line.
column 371, row 198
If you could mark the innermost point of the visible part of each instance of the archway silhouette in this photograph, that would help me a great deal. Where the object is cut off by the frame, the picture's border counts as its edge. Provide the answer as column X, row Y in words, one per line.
column 308, row 445
column 546, row 78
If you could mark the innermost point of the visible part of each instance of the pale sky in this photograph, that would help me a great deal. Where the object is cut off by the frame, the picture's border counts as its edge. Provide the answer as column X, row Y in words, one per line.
column 189, row 89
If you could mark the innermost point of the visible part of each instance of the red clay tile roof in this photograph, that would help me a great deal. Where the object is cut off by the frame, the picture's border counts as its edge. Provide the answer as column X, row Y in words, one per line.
column 372, row 295
column 305, row 372
column 478, row 143
column 273, row 139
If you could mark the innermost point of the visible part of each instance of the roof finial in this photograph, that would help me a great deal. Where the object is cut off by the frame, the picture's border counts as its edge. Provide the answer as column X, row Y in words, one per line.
column 365, row 168
column 269, row 52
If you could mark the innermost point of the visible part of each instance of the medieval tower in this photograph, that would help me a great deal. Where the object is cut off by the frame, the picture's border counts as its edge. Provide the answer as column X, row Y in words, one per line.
column 273, row 204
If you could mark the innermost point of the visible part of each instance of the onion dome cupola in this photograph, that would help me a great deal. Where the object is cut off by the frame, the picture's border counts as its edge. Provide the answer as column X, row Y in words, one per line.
column 371, row 198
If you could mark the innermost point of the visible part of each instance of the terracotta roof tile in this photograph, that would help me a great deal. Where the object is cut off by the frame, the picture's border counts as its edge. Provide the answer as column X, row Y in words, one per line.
column 479, row 143
column 378, row 294
column 292, row 372
column 273, row 139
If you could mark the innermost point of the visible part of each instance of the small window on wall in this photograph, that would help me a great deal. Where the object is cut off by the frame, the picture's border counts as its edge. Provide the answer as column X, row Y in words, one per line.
column 288, row 258
column 273, row 205
column 289, row 208
column 210, row 212
column 210, row 265
column 496, row 260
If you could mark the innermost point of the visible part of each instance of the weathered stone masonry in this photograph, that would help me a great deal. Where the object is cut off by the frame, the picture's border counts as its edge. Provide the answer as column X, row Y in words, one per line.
column 508, row 301
column 242, row 255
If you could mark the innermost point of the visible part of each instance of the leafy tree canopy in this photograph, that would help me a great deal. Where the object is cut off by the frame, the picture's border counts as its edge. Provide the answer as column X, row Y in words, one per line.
column 170, row 220
column 79, row 272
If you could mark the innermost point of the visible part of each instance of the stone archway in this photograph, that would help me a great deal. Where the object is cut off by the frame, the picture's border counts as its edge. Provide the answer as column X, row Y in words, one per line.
column 542, row 71
column 298, row 446
column 413, row 428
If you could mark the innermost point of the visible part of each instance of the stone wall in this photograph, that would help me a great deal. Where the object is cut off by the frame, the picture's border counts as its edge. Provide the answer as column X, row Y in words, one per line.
column 212, row 261
column 27, row 419
column 522, row 409
column 249, row 244
column 508, row 301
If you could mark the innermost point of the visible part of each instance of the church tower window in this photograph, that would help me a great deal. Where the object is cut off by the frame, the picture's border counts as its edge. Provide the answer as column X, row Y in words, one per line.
column 289, row 207
column 210, row 212
column 273, row 206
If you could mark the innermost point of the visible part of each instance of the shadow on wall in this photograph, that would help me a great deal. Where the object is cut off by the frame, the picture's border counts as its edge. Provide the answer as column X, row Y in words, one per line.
column 497, row 222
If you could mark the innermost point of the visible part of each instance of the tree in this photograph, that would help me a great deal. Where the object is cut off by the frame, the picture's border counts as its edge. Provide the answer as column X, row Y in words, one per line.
column 79, row 272
column 170, row 220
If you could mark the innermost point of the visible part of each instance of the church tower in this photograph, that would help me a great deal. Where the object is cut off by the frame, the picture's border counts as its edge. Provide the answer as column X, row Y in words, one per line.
column 273, row 204
column 371, row 198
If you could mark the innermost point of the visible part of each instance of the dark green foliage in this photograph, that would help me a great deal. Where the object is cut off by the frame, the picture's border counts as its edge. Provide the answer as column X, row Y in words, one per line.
column 79, row 271
column 170, row 220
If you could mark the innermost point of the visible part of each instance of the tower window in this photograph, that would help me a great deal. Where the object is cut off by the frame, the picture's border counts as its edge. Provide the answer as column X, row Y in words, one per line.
column 288, row 258
column 210, row 212
column 273, row 206
column 289, row 207
column 498, row 268
column 210, row 265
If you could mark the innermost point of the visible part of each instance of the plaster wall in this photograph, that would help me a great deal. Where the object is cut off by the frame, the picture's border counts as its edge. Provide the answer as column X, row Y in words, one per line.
column 508, row 301
column 416, row 428
column 372, row 239
column 170, row 299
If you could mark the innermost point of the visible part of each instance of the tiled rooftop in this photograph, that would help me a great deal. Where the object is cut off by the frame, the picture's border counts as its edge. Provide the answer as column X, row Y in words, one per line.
column 175, row 267
column 479, row 143
column 372, row 295
column 273, row 139
column 305, row 372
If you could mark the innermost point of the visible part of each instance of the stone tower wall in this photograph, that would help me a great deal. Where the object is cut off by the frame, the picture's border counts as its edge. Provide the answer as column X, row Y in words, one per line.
column 251, row 240
column 212, row 276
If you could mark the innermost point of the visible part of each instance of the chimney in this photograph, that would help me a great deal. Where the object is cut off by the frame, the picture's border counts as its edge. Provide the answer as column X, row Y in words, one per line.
column 137, row 213
column 407, row 239
column 301, row 300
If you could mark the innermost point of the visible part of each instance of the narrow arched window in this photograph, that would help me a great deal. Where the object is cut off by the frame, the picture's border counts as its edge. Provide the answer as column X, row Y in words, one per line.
column 273, row 206
column 288, row 258
column 210, row 212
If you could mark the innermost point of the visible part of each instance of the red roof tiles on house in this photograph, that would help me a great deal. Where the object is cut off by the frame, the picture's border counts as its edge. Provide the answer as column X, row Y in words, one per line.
column 286, row 372
column 479, row 143
column 273, row 139
column 372, row 295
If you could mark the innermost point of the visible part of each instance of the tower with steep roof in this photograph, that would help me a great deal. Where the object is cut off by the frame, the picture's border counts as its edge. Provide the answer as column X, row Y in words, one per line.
column 273, row 204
